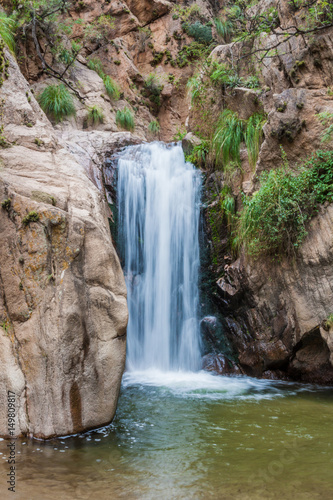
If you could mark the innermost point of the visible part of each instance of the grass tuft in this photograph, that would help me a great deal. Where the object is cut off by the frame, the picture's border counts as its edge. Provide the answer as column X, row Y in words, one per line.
column 57, row 102
column 7, row 31
column 125, row 119
column 154, row 127
column 111, row 87
column 95, row 115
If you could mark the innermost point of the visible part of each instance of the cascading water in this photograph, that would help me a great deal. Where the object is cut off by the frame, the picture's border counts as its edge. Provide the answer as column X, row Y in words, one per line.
column 159, row 206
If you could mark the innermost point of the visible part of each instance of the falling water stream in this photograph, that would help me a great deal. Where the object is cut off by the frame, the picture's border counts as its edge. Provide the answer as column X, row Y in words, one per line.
column 180, row 433
column 159, row 196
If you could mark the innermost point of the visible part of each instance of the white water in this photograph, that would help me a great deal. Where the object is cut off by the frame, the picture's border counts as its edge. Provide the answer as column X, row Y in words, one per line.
column 158, row 202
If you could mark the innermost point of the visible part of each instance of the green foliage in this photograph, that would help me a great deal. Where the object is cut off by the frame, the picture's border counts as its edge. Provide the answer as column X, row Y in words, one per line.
column 192, row 52
column 199, row 154
column 221, row 74
column 32, row 216
column 7, row 31
column 231, row 131
column 95, row 115
column 202, row 33
column 111, row 87
column 57, row 102
column 154, row 127
column 251, row 82
column 326, row 119
column 180, row 134
column 274, row 219
column 125, row 119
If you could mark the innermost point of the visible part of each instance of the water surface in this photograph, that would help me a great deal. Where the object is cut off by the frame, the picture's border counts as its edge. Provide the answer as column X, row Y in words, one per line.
column 191, row 436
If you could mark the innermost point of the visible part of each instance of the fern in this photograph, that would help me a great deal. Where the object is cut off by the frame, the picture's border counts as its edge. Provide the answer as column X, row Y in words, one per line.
column 7, row 30
column 125, row 119
column 57, row 102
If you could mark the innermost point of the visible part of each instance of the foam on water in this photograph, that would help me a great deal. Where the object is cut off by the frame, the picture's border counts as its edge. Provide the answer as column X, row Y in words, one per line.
column 208, row 386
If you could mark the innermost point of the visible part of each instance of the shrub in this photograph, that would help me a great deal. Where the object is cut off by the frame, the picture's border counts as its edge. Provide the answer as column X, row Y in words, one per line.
column 7, row 30
column 154, row 127
column 125, row 119
column 57, row 102
column 274, row 220
column 95, row 115
column 111, row 87
column 31, row 217
column 231, row 131
column 200, row 32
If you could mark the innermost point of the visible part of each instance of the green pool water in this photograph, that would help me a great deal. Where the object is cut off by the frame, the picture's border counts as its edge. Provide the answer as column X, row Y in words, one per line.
column 190, row 436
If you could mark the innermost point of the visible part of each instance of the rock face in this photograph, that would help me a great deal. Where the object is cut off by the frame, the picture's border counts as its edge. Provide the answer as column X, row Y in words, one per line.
column 63, row 309
column 275, row 311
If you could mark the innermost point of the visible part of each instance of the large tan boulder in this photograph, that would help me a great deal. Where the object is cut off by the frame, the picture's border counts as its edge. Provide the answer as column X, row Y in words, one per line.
column 63, row 311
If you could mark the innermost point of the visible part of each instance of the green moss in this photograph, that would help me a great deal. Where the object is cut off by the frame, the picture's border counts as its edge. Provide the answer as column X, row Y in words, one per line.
column 6, row 204
column 43, row 197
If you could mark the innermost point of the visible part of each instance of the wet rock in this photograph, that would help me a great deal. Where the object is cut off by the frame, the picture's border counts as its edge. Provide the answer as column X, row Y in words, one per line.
column 220, row 364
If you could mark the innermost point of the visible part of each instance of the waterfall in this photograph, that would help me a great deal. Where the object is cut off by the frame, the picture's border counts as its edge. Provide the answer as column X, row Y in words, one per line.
column 158, row 206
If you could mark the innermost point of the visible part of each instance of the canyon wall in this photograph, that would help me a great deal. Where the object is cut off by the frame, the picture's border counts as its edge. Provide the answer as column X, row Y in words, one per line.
column 63, row 308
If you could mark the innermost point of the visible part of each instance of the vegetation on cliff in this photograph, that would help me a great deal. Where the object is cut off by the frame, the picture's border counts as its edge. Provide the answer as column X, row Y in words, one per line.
column 274, row 220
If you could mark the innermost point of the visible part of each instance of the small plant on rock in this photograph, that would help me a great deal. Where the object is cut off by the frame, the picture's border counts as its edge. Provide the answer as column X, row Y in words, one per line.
column 6, row 204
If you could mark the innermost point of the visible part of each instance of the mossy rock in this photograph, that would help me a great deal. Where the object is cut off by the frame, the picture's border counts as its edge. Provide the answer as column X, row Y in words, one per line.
column 43, row 197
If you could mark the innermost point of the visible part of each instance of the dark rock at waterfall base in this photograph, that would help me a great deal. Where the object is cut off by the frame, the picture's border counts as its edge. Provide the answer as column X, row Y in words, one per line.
column 220, row 364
